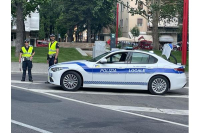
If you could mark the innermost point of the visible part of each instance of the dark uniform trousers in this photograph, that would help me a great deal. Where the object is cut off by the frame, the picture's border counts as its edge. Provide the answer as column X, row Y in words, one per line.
column 51, row 61
column 26, row 64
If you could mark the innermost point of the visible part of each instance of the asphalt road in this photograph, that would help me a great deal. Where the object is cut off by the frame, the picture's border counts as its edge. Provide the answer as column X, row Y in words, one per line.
column 38, row 107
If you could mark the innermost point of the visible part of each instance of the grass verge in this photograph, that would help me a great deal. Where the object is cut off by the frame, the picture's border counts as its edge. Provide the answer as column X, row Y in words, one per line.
column 65, row 54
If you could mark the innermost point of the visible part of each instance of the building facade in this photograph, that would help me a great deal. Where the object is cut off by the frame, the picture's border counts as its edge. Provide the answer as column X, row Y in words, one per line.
column 31, row 28
column 126, row 22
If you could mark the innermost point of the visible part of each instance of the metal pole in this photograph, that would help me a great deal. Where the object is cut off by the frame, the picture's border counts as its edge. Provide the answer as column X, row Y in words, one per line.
column 184, row 33
column 117, row 25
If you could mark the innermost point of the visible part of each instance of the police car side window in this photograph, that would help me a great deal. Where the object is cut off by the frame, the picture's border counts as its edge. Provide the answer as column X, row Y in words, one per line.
column 140, row 58
column 117, row 58
column 152, row 60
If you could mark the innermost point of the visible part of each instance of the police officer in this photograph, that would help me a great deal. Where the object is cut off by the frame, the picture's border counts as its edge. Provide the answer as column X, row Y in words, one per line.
column 52, row 56
column 26, row 54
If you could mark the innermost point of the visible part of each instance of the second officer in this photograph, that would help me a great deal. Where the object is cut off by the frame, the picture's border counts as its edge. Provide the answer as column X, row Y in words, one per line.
column 52, row 57
column 26, row 55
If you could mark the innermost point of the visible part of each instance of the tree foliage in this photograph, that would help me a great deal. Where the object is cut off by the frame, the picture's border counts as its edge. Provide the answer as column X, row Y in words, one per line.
column 20, row 9
column 113, row 30
column 135, row 31
column 92, row 15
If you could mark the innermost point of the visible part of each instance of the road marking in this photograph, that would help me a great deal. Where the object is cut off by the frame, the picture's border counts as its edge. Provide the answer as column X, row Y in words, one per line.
column 23, row 82
column 106, row 93
column 31, row 72
column 78, row 101
column 146, row 109
column 29, row 126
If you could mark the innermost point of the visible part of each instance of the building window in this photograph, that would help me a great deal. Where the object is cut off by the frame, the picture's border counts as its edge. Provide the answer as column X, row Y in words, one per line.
column 139, row 22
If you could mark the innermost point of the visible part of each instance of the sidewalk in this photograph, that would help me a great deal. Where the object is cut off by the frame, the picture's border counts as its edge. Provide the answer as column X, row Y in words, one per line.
column 37, row 67
column 42, row 68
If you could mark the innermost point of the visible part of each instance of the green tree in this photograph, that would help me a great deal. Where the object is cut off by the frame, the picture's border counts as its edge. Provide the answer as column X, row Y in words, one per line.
column 85, row 14
column 41, row 30
column 113, row 30
column 20, row 9
column 135, row 31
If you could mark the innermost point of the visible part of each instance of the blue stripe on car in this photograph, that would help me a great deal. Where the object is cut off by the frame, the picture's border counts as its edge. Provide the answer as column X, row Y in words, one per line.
column 126, row 70
column 115, row 83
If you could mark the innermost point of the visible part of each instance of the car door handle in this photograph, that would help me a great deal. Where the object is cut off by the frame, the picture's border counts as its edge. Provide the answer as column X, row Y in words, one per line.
column 121, row 68
column 149, row 67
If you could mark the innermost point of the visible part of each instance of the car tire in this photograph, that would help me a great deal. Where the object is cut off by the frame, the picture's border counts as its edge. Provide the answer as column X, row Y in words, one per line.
column 158, row 85
column 71, row 81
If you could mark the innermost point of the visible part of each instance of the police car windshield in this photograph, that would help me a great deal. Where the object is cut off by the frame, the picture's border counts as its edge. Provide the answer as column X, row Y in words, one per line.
column 99, row 57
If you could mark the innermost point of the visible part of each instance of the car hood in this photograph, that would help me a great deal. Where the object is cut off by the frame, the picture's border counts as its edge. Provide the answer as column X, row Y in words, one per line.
column 70, row 62
column 74, row 62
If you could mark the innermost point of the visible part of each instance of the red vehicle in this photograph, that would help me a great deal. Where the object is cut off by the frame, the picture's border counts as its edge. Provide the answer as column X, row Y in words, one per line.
column 144, row 44
column 42, row 43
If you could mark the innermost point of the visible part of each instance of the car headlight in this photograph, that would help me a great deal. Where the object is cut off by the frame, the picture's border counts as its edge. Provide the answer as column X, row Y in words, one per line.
column 56, row 69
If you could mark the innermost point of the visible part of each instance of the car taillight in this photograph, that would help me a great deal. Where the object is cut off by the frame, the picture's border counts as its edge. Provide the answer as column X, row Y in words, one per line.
column 179, row 69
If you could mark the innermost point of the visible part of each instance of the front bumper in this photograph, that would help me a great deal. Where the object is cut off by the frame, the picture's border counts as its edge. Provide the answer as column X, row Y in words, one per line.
column 54, row 77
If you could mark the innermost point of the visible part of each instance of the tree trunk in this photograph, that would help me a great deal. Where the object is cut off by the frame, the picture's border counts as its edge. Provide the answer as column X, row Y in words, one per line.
column 24, row 32
column 89, row 30
column 155, row 27
column 70, row 35
column 94, row 37
column 20, row 29
column 78, row 37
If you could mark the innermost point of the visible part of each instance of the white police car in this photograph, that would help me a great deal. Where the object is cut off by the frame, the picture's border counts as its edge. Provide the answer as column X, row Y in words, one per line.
column 125, row 69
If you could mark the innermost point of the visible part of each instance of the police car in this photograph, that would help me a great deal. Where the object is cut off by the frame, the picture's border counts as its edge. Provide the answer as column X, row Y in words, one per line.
column 125, row 69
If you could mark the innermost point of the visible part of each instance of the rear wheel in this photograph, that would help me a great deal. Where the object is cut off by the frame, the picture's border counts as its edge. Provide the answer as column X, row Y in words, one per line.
column 158, row 85
column 71, row 81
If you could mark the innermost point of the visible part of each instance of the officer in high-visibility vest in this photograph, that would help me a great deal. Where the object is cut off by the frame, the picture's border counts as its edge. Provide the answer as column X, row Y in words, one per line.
column 52, row 56
column 26, row 55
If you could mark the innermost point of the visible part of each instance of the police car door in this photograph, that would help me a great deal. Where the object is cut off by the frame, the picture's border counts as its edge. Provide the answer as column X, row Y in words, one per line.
column 140, row 67
column 111, row 73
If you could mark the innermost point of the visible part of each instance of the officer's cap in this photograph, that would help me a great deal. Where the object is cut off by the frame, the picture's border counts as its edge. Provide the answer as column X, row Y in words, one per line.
column 52, row 35
column 26, row 40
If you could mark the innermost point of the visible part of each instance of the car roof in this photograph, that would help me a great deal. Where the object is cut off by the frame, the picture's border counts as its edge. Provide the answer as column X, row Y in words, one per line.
column 115, row 51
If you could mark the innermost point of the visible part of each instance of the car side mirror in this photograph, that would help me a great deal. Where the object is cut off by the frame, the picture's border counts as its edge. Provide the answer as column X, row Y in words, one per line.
column 103, row 60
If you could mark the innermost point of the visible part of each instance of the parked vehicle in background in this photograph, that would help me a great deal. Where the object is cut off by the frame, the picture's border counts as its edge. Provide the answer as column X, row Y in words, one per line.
column 144, row 45
column 178, row 46
column 42, row 43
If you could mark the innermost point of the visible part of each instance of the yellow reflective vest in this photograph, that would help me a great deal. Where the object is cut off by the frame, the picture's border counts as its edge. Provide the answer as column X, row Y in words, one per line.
column 27, row 53
column 52, row 48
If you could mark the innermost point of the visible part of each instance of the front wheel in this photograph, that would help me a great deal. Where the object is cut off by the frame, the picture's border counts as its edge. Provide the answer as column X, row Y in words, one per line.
column 71, row 81
column 158, row 85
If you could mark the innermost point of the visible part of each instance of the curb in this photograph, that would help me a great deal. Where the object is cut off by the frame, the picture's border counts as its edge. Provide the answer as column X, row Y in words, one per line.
column 31, row 72
column 81, row 52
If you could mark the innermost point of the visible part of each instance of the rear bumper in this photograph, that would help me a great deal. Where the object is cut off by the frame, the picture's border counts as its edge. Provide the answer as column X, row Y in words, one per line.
column 178, row 81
